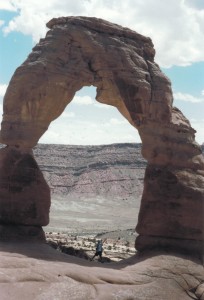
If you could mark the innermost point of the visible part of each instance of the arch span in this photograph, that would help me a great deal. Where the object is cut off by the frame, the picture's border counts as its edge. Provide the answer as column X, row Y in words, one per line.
column 82, row 51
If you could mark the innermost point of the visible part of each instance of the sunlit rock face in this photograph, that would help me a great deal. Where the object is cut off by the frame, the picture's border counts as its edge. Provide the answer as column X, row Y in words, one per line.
column 81, row 51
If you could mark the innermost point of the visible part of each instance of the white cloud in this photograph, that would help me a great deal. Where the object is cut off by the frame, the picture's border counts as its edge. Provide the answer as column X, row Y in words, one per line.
column 36, row 13
column 188, row 98
column 82, row 132
column 82, row 100
column 7, row 5
column 66, row 114
column 176, row 27
column 3, row 88
column 101, row 105
column 114, row 121
column 198, row 125
column 86, row 131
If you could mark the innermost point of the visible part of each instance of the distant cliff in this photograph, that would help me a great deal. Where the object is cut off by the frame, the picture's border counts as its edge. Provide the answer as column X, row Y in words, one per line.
column 115, row 170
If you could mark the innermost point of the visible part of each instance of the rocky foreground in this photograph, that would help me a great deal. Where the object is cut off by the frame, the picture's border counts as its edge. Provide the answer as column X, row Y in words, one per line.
column 36, row 271
column 114, row 249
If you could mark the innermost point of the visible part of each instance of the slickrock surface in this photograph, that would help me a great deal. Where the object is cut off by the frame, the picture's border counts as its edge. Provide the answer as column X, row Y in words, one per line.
column 35, row 271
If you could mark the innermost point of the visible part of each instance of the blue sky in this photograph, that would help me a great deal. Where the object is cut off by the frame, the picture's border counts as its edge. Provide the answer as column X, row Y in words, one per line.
column 177, row 32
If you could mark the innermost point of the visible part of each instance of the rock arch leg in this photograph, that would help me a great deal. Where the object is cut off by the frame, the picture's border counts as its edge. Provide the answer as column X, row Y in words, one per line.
column 172, row 207
column 24, row 196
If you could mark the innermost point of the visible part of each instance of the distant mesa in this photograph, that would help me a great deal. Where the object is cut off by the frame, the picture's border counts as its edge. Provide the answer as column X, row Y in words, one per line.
column 82, row 51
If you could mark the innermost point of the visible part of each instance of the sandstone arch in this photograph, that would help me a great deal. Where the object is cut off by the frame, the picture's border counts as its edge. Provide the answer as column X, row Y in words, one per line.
column 81, row 51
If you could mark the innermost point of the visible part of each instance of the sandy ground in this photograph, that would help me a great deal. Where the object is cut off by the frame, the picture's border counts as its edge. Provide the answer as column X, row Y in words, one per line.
column 78, row 223
column 93, row 215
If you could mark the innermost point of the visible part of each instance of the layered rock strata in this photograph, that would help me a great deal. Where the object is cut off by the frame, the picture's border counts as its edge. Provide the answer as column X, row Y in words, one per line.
column 81, row 51
column 113, row 171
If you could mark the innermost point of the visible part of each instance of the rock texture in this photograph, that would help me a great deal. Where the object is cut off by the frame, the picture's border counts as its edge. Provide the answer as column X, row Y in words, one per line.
column 35, row 271
column 24, row 193
column 110, row 171
column 81, row 51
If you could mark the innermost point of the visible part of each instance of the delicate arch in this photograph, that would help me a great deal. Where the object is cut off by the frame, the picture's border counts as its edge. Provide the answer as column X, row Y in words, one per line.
column 81, row 51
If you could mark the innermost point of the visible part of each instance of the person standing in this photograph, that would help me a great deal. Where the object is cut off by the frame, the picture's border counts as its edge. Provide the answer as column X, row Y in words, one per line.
column 99, row 250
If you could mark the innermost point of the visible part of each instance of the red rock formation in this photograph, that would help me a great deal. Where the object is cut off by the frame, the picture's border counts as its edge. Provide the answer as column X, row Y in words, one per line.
column 24, row 194
column 80, row 51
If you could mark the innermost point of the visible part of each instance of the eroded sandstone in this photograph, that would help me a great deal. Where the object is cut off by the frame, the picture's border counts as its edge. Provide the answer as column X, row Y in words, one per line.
column 41, row 273
column 81, row 51
column 24, row 193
